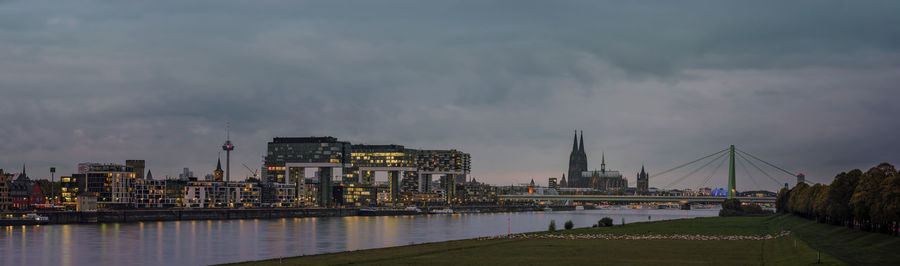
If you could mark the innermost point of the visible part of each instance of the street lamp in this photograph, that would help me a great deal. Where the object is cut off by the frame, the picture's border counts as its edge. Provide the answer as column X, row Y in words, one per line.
column 52, row 191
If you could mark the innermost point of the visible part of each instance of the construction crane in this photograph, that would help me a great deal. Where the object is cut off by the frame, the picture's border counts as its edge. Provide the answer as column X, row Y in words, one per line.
column 251, row 170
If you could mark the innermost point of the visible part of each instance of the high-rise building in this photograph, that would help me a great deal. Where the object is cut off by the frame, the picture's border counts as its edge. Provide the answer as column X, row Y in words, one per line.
column 578, row 164
column 112, row 184
column 315, row 150
column 395, row 161
column 551, row 183
column 70, row 189
column 643, row 182
column 392, row 169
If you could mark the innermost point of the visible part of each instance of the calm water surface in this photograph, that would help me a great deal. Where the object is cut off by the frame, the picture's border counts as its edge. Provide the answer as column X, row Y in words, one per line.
column 221, row 241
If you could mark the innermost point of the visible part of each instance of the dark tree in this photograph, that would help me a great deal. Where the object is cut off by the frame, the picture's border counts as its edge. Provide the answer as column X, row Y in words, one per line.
column 839, row 194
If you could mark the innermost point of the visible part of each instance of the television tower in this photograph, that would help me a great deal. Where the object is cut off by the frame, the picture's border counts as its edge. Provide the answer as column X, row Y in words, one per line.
column 227, row 147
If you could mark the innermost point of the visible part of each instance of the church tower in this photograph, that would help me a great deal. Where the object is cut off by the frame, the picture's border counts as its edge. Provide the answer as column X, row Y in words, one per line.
column 218, row 173
column 643, row 182
column 577, row 163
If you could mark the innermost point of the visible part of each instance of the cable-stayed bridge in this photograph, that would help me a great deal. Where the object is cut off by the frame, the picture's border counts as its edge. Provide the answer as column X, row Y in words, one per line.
column 731, row 154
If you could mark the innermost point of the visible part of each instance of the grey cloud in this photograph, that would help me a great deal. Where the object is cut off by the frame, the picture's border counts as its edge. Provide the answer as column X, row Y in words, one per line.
column 807, row 84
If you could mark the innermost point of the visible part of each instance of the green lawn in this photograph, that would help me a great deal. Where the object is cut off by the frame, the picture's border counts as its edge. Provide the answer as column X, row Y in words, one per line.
column 846, row 246
column 744, row 226
column 852, row 246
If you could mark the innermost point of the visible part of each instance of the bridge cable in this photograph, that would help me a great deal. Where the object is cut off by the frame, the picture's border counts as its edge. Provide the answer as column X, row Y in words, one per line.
column 776, row 167
column 772, row 165
column 695, row 171
column 708, row 178
column 760, row 170
column 747, row 171
column 713, row 173
column 686, row 164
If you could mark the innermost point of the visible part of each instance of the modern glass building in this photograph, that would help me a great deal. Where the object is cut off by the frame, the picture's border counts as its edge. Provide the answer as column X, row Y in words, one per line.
column 392, row 168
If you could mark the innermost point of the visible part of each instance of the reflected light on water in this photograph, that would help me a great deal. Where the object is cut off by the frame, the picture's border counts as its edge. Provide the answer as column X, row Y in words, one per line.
column 222, row 241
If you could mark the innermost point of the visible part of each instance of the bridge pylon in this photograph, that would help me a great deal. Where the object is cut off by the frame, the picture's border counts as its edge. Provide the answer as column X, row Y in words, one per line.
column 731, row 185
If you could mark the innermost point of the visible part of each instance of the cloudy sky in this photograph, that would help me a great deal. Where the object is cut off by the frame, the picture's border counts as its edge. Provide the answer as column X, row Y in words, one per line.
column 811, row 86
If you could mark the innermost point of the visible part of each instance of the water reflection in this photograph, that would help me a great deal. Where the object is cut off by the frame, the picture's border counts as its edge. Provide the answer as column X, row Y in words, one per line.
column 221, row 241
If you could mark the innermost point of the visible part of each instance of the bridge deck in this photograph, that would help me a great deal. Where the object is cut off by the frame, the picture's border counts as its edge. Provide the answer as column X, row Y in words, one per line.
column 630, row 198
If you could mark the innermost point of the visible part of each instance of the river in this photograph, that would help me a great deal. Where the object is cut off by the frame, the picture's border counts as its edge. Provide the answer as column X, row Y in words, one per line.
column 222, row 241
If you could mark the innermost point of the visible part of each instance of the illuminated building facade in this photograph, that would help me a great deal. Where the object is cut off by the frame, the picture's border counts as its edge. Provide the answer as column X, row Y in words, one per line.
column 69, row 190
column 278, row 195
column 5, row 201
column 308, row 192
column 221, row 195
column 153, row 194
column 301, row 150
column 356, row 195
column 450, row 166
column 397, row 163
column 112, row 184
column 393, row 170
column 218, row 174
column 474, row 193
column 24, row 192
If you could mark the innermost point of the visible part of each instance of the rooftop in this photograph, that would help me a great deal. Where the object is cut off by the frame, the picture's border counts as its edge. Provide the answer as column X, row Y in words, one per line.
column 326, row 139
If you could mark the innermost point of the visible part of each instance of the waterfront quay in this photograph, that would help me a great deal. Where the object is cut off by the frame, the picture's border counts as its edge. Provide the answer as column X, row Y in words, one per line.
column 322, row 177
column 126, row 216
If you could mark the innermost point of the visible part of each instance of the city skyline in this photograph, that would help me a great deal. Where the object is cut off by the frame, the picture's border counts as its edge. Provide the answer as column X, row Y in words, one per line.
column 86, row 82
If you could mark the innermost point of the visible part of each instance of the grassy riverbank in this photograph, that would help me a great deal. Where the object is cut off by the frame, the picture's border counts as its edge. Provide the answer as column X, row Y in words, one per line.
column 848, row 247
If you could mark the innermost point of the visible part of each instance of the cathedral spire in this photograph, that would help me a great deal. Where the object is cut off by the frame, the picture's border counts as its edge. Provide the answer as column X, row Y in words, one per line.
column 581, row 146
column 575, row 143
column 602, row 162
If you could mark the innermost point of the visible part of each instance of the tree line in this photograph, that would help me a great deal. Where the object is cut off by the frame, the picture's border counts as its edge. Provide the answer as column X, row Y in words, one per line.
column 868, row 200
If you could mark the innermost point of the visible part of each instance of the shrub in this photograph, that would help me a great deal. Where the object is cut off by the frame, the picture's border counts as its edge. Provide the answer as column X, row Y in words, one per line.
column 729, row 212
column 552, row 226
column 754, row 209
column 733, row 207
column 606, row 221
column 569, row 224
